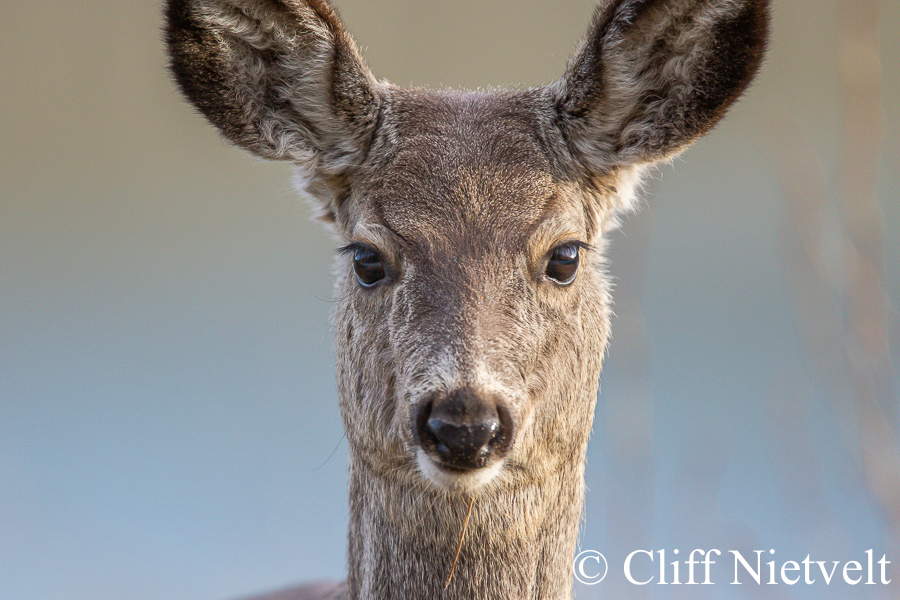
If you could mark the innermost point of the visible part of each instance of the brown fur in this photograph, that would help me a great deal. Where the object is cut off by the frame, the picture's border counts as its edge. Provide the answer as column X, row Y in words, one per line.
column 465, row 195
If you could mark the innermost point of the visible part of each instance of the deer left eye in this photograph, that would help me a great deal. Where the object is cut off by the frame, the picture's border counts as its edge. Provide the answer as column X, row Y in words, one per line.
column 563, row 264
column 368, row 267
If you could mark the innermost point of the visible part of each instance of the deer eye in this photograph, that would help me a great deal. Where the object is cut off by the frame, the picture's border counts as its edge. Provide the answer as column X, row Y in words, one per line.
column 368, row 266
column 563, row 264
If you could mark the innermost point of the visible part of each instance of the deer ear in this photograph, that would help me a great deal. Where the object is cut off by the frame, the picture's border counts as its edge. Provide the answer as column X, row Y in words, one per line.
column 652, row 76
column 281, row 79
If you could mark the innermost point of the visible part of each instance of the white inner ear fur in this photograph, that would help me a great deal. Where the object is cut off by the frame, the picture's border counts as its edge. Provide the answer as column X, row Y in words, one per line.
column 629, row 185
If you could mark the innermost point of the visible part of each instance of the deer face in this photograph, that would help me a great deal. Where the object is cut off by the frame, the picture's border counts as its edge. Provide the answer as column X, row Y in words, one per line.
column 473, row 311
column 473, row 303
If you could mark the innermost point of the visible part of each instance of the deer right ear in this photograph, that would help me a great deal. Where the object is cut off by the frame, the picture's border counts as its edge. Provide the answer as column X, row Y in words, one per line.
column 281, row 79
column 652, row 76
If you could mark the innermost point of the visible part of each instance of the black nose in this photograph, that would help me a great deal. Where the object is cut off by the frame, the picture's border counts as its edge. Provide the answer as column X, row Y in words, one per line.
column 463, row 429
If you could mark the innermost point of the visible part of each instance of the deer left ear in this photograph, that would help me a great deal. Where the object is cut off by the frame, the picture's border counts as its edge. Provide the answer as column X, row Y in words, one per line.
column 653, row 76
column 281, row 79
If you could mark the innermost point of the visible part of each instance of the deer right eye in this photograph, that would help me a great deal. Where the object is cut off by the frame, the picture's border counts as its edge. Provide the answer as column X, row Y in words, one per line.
column 563, row 264
column 368, row 266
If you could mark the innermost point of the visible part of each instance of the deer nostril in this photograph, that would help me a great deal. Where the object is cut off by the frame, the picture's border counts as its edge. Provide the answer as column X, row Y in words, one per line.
column 463, row 439
column 462, row 429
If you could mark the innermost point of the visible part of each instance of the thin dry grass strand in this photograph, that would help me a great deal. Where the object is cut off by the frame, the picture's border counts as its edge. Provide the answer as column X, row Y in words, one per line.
column 461, row 537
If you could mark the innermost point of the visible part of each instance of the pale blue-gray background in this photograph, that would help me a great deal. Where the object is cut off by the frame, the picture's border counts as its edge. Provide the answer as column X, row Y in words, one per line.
column 167, row 405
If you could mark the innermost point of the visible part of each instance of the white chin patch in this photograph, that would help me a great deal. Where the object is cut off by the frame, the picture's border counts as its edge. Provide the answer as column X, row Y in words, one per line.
column 456, row 481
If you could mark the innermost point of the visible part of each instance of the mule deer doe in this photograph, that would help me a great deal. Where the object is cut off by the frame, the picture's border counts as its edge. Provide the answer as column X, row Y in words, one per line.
column 474, row 306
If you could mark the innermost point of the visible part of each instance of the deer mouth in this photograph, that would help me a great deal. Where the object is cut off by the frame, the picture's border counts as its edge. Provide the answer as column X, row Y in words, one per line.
column 455, row 479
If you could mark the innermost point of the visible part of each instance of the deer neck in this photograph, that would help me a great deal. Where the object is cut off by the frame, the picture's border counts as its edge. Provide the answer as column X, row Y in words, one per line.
column 519, row 542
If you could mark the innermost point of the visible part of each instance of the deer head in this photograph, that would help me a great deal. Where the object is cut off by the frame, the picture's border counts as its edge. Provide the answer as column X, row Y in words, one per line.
column 473, row 311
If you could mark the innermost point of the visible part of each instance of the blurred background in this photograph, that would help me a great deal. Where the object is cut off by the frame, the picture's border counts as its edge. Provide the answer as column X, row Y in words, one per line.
column 168, row 416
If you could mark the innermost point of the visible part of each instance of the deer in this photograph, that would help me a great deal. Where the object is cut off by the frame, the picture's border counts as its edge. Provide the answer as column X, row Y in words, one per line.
column 473, row 301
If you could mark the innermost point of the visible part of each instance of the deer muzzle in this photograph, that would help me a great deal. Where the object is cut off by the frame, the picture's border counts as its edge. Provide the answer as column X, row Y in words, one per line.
column 463, row 430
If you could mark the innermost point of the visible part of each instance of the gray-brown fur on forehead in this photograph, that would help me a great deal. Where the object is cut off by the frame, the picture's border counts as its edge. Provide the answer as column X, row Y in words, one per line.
column 462, row 164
